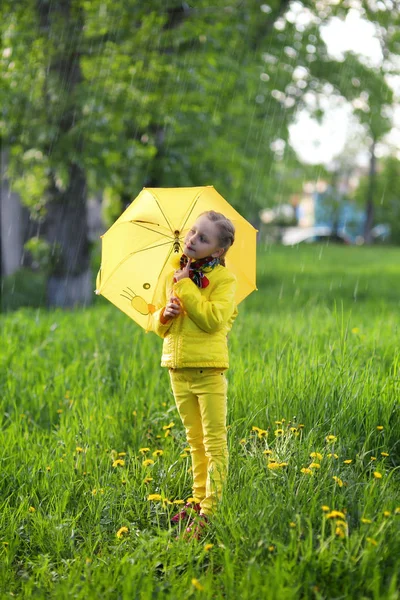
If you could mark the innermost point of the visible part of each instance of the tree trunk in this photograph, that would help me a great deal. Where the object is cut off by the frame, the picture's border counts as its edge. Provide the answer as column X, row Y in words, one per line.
column 369, row 206
column 66, row 223
column 11, row 224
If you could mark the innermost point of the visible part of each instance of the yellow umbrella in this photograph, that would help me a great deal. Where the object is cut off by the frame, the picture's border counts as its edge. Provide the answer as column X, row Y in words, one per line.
column 137, row 249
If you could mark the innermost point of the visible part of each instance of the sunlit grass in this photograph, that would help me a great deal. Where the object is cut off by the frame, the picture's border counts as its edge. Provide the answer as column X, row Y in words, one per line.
column 311, row 507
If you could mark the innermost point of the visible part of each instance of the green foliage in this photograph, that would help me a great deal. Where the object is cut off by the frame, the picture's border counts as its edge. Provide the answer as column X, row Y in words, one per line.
column 24, row 288
column 78, row 388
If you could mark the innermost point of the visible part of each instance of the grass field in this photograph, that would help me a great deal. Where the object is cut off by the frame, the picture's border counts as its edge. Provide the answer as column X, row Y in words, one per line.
column 311, row 506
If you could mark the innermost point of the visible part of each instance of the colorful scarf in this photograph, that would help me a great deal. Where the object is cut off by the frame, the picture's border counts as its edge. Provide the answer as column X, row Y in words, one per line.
column 198, row 268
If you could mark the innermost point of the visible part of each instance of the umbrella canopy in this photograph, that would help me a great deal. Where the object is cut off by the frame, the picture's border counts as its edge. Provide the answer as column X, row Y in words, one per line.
column 138, row 247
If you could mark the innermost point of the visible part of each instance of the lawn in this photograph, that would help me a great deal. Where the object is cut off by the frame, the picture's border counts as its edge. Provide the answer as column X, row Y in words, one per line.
column 311, row 506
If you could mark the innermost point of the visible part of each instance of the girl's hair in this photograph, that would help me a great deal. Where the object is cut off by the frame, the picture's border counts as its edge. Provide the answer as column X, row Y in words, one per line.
column 226, row 231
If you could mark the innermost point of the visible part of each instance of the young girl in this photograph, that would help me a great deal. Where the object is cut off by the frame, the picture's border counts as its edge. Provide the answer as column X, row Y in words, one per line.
column 198, row 308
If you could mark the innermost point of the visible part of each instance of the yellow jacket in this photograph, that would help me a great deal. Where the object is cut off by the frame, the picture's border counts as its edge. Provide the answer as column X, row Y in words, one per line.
column 198, row 336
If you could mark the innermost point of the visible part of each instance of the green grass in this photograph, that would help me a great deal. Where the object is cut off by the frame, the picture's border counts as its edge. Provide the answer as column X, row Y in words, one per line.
column 317, row 346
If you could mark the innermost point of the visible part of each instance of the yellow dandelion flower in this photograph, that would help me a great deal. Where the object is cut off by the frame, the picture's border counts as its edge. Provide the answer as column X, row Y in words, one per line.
column 384, row 454
column 316, row 455
column 134, row 412
column 262, row 433
column 118, row 463
column 193, row 500
column 187, row 449
column 31, row 509
column 292, row 524
column 283, row 464
column 331, row 438
column 166, row 501
column 372, row 541
column 340, row 532
column 338, row 481
column 278, row 422
column 386, row 513
column 122, row 531
column 300, row 426
column 243, row 441
column 208, row 547
column 377, row 475
column 336, row 514
column 306, row 471
column 196, row 583
column 59, row 411
column 278, row 432
column 178, row 502
column 94, row 491
column 333, row 455
column 79, row 450
column 273, row 465
column 167, row 433
column 48, row 468
column 380, row 427
column 158, row 452
column 373, row 458
column 154, row 497
column 267, row 452
column 283, row 420
column 183, row 455
column 144, row 450
column 147, row 479
column 365, row 521
column 325, row 508
column 148, row 462
column 293, row 430
column 121, row 453
column 169, row 426
column 397, row 510
column 355, row 330
column 314, row 466
column 271, row 548
column 348, row 461
column 255, row 428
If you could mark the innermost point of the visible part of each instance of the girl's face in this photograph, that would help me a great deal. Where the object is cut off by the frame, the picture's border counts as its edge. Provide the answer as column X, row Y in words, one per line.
column 202, row 240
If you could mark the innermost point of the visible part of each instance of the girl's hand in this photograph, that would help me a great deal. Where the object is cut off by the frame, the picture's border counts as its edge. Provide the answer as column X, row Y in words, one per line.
column 182, row 273
column 173, row 308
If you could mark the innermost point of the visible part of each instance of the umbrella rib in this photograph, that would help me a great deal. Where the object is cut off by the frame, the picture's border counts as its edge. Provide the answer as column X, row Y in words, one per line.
column 190, row 210
column 152, row 230
column 131, row 254
column 162, row 212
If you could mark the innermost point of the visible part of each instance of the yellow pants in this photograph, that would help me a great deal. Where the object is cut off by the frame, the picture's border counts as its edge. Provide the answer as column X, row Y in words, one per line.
column 201, row 399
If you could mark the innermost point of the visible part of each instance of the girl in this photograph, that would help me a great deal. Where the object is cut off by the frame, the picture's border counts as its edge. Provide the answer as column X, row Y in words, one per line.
column 197, row 311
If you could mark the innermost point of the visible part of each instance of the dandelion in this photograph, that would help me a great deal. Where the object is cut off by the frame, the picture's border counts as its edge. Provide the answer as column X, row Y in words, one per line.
column 306, row 471
column 59, row 411
column 293, row 430
column 336, row 514
column 121, row 453
column 278, row 422
column 6, row 544
column 144, row 450
column 243, row 441
column 341, row 529
column 314, row 466
column 267, row 452
column 348, row 461
column 355, row 330
column 148, row 462
column 48, row 468
column 118, row 463
column 338, row 481
column 78, row 450
column 278, row 432
column 333, row 455
column 31, row 509
column 196, row 583
column 273, row 465
column 365, row 521
column 260, row 432
column 158, row 452
column 167, row 433
column 325, row 508
column 123, row 481
column 292, row 524
column 300, row 426
column 331, row 438
column 386, row 513
column 377, row 475
column 178, row 502
column 147, row 479
column 94, row 491
column 373, row 458
column 316, row 455
column 166, row 501
column 208, row 547
column 384, row 454
column 122, row 531
column 397, row 510
column 183, row 455
column 193, row 500
column 154, row 497
column 169, row 426
column 380, row 427
column 134, row 412
column 372, row 541
column 271, row 548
